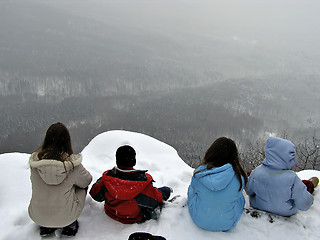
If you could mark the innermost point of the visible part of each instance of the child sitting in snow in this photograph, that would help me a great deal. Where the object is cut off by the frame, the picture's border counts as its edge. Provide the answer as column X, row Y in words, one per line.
column 59, row 183
column 128, row 193
column 215, row 198
column 272, row 187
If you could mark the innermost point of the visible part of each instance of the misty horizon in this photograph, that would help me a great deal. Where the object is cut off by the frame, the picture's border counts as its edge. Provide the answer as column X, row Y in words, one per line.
column 182, row 71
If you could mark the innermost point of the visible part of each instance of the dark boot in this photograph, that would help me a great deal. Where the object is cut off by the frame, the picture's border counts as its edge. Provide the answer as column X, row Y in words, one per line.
column 144, row 236
column 165, row 191
column 45, row 231
column 71, row 230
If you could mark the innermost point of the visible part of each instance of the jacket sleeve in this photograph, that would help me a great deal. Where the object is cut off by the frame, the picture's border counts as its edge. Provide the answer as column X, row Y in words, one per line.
column 98, row 191
column 301, row 197
column 249, row 187
column 83, row 177
column 150, row 197
column 192, row 197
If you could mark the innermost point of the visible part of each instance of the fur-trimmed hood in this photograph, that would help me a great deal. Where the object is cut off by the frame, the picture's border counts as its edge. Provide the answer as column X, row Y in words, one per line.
column 54, row 172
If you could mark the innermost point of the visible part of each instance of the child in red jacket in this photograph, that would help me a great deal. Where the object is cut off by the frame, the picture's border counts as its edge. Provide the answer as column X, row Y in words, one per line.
column 128, row 193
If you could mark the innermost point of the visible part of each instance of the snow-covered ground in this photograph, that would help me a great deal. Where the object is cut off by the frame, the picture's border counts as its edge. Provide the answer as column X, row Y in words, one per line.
column 167, row 168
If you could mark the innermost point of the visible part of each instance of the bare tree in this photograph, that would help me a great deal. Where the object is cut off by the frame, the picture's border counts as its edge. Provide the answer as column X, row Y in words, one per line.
column 252, row 155
column 308, row 154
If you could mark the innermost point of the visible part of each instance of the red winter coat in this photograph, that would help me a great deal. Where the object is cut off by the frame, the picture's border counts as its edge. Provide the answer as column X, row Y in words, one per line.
column 127, row 193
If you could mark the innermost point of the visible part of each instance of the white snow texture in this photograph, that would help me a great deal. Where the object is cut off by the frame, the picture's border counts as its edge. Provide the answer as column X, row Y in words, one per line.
column 167, row 168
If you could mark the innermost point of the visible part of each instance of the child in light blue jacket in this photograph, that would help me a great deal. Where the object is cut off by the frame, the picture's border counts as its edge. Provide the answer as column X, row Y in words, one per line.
column 272, row 187
column 215, row 198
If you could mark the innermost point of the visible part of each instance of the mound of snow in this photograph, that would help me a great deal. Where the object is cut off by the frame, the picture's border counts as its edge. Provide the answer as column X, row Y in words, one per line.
column 167, row 168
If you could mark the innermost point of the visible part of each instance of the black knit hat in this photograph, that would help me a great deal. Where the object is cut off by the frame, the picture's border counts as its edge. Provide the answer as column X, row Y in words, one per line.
column 126, row 157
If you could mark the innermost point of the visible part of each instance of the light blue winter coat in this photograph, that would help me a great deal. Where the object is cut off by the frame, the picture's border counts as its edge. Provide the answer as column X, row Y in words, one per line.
column 274, row 188
column 214, row 200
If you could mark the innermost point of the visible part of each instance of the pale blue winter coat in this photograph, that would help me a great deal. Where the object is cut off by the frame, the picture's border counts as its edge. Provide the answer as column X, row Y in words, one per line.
column 214, row 200
column 274, row 188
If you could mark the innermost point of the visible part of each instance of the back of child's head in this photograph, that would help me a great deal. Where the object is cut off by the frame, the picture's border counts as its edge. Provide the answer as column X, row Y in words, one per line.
column 56, row 143
column 222, row 151
column 125, row 157
column 280, row 153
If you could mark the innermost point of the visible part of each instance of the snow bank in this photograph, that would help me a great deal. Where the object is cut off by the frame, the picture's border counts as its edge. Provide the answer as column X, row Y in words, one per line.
column 167, row 168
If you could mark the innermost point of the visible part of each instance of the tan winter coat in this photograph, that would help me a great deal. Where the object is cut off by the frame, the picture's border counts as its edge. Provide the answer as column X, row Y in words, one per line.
column 58, row 190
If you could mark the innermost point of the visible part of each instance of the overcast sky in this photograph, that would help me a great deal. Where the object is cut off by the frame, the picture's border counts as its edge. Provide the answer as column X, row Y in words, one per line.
column 275, row 23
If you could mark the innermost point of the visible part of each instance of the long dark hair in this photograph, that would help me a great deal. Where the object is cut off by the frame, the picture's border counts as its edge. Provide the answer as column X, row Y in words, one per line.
column 223, row 151
column 56, row 144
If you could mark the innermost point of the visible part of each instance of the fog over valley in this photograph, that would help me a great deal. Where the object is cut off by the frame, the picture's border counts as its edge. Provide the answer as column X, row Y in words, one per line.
column 185, row 72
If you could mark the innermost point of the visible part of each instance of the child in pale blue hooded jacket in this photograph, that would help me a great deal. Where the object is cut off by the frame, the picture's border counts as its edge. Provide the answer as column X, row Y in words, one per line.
column 272, row 187
column 215, row 198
